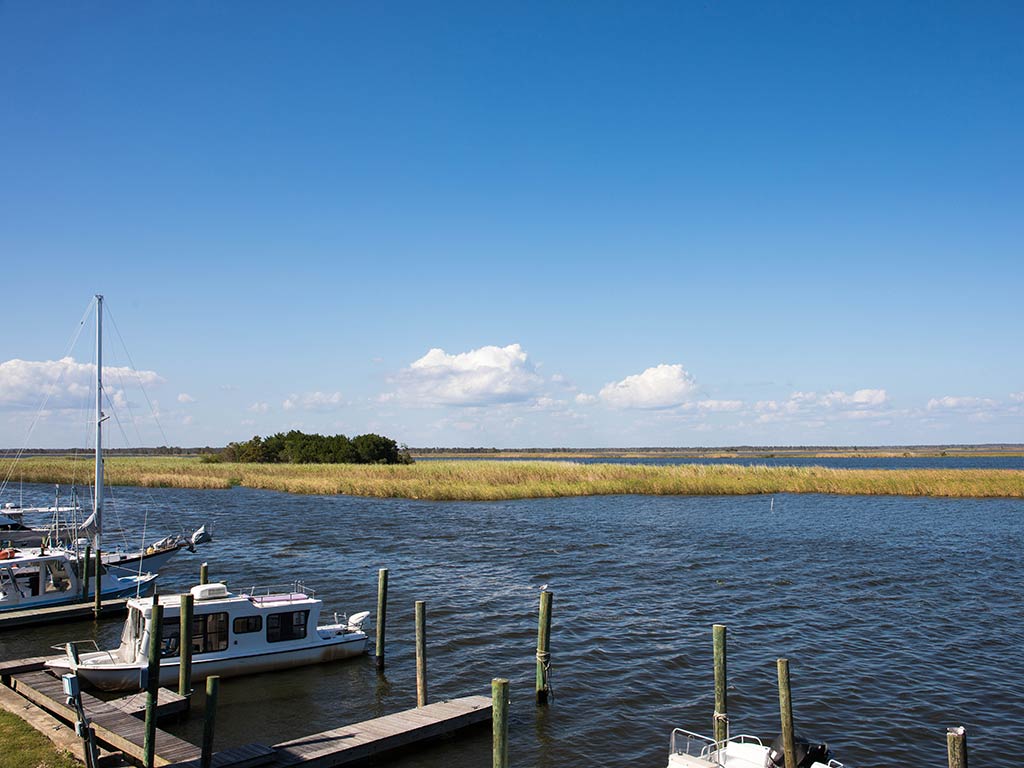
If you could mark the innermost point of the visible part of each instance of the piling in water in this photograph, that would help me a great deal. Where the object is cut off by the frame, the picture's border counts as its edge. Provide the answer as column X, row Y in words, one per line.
column 721, row 718
column 956, row 746
column 97, row 606
column 204, row 573
column 786, row 710
column 185, row 646
column 86, row 561
column 543, row 686
column 499, row 722
column 382, row 612
column 209, row 719
column 421, row 653
column 153, row 682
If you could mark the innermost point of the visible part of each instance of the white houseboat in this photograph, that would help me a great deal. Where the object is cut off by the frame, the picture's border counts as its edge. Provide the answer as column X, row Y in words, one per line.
column 231, row 635
column 693, row 750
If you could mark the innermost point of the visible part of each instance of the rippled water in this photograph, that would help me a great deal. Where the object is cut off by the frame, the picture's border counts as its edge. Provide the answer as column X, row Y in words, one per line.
column 900, row 616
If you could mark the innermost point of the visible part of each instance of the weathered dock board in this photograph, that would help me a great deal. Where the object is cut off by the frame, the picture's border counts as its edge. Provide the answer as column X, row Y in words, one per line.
column 54, row 613
column 114, row 728
column 354, row 743
column 168, row 703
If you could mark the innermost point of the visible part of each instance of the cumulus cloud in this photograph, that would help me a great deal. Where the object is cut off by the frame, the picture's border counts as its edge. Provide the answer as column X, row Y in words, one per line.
column 720, row 405
column 485, row 376
column 64, row 383
column 584, row 399
column 259, row 407
column 185, row 397
column 314, row 401
column 1017, row 397
column 662, row 386
column 951, row 403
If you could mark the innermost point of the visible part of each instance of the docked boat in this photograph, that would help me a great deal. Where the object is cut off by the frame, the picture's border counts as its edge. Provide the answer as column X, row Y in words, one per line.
column 67, row 530
column 232, row 634
column 38, row 578
column 693, row 750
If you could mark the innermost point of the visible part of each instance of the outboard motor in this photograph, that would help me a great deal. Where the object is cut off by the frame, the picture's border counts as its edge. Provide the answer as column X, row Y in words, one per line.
column 807, row 753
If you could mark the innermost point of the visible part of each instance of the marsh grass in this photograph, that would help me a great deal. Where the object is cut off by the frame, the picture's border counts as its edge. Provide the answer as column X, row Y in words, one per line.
column 491, row 480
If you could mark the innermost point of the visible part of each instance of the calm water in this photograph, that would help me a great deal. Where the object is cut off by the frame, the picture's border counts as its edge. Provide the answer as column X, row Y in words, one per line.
column 899, row 616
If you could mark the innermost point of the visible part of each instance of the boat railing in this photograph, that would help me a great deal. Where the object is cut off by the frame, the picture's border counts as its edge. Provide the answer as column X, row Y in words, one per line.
column 693, row 744
column 63, row 648
column 279, row 593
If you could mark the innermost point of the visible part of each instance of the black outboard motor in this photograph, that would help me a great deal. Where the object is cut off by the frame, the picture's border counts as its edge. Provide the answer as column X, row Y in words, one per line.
column 806, row 753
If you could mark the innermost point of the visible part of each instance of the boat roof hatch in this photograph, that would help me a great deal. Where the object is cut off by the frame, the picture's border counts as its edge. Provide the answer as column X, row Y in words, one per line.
column 208, row 591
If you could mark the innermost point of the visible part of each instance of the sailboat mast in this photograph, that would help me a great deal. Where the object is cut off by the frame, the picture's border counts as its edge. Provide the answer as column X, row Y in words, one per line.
column 98, row 506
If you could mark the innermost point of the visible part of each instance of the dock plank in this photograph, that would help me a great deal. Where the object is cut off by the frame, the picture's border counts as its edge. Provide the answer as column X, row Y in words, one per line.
column 60, row 613
column 115, row 728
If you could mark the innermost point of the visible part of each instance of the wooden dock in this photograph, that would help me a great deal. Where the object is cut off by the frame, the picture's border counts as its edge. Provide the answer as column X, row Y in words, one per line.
column 115, row 729
column 54, row 613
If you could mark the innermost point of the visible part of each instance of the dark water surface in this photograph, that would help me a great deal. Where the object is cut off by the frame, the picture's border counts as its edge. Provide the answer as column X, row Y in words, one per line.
column 900, row 616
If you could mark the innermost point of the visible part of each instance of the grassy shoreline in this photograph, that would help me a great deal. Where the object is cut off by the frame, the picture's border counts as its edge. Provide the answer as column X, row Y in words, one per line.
column 481, row 480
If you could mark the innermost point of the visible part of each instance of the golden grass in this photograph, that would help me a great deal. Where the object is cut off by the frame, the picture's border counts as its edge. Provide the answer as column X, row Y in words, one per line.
column 489, row 480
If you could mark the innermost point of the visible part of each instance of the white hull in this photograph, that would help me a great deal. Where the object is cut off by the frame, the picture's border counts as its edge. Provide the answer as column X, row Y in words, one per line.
column 126, row 677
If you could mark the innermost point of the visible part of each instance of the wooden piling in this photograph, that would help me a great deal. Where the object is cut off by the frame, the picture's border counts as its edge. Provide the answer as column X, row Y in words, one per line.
column 499, row 721
column 786, row 710
column 153, row 681
column 721, row 717
column 86, row 563
column 956, row 746
column 185, row 646
column 97, row 606
column 209, row 719
column 204, row 573
column 382, row 612
column 421, row 653
column 543, row 687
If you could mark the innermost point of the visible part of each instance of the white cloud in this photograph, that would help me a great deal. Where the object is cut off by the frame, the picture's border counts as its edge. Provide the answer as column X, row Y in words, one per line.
column 584, row 399
column 259, row 407
column 1017, row 397
column 862, row 397
column 184, row 397
column 483, row 376
column 662, row 386
column 951, row 403
column 314, row 401
column 64, row 383
column 720, row 405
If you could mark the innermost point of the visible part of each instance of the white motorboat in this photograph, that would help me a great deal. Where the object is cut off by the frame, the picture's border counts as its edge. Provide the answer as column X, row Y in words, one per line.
column 231, row 635
column 38, row 578
column 693, row 750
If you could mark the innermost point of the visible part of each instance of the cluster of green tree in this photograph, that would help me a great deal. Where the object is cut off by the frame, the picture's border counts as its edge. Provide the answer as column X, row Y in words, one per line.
column 299, row 448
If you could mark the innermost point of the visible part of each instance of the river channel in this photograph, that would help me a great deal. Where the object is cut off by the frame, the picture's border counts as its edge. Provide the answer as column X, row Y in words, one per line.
column 900, row 616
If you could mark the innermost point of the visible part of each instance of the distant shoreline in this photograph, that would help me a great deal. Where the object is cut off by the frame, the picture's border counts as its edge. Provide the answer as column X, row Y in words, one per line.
column 476, row 480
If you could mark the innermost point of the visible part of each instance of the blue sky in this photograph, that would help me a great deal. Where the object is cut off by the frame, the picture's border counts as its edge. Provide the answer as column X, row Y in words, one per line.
column 702, row 223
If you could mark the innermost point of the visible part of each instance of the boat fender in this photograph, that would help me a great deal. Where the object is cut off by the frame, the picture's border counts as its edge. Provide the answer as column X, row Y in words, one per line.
column 7, row 554
column 807, row 753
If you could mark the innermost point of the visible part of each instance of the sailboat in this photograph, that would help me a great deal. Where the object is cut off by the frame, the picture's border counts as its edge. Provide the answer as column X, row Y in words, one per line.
column 56, row 573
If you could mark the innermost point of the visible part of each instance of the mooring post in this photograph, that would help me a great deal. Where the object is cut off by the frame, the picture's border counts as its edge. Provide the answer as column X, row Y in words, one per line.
column 721, row 719
column 956, row 746
column 156, row 624
column 86, row 563
column 544, row 647
column 786, row 710
column 97, row 605
column 499, row 721
column 204, row 573
column 209, row 717
column 185, row 646
column 382, row 612
column 421, row 653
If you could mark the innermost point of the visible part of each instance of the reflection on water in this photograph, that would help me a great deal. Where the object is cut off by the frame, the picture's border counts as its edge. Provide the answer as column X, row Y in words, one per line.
column 899, row 616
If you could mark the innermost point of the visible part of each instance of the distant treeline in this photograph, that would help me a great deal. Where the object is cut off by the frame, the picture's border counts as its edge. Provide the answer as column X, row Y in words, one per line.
column 299, row 448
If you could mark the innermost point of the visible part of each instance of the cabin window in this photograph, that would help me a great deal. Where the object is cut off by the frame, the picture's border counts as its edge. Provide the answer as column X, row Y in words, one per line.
column 57, row 578
column 209, row 634
column 244, row 624
column 290, row 625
